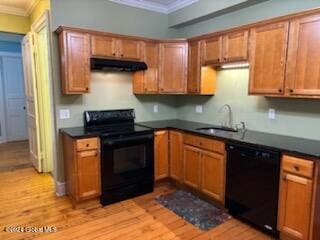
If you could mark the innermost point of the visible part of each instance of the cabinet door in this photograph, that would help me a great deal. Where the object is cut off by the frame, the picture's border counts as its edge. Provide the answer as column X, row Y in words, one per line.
column 173, row 67
column 75, row 62
column 175, row 155
column 212, row 50
column 88, row 175
column 102, row 46
column 303, row 69
column 295, row 206
column 151, row 57
column 268, row 46
column 130, row 49
column 161, row 155
column 235, row 46
column 192, row 166
column 194, row 68
column 213, row 174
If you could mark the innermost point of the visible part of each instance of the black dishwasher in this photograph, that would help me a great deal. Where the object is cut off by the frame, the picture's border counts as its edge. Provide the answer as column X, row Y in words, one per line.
column 252, row 186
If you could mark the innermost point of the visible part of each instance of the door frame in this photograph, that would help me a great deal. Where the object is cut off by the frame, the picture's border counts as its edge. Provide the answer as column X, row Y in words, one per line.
column 50, row 132
column 3, row 109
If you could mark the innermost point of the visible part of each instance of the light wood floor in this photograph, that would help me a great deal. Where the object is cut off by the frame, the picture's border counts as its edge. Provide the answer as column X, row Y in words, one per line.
column 28, row 199
column 14, row 155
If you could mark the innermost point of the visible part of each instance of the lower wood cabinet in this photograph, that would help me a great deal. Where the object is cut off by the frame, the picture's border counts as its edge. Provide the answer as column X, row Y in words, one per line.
column 82, row 168
column 175, row 155
column 161, row 155
column 205, row 165
column 296, row 196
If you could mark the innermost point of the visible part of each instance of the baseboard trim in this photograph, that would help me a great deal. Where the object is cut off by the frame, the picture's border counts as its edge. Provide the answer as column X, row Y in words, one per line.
column 60, row 189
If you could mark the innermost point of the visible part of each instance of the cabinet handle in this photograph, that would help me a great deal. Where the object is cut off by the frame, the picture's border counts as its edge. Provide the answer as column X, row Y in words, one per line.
column 87, row 89
column 218, row 59
column 280, row 90
column 291, row 90
column 113, row 54
column 225, row 59
column 122, row 55
column 87, row 145
column 296, row 168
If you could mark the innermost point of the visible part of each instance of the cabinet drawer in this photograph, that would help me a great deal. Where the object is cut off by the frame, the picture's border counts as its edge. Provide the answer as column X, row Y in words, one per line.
column 205, row 143
column 87, row 144
column 298, row 166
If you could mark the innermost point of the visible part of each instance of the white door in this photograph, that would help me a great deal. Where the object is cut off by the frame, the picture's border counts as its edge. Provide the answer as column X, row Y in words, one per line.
column 15, row 102
column 31, row 99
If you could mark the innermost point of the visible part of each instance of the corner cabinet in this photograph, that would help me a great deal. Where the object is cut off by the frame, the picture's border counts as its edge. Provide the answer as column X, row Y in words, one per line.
column 75, row 61
column 173, row 67
column 82, row 169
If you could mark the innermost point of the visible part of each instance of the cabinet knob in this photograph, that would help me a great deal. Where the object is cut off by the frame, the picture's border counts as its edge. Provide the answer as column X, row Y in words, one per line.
column 146, row 89
column 87, row 145
column 113, row 54
column 87, row 89
column 296, row 167
column 122, row 55
column 280, row 90
column 225, row 59
column 291, row 90
column 218, row 59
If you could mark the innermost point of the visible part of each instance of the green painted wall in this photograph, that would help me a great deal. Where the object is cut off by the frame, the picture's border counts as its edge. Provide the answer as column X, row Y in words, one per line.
column 108, row 90
column 294, row 117
column 261, row 11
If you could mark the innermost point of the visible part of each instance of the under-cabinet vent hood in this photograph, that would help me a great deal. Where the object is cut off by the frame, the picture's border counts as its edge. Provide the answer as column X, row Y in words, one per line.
column 118, row 65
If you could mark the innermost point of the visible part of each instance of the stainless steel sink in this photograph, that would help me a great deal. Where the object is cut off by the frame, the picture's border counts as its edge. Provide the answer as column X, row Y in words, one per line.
column 213, row 129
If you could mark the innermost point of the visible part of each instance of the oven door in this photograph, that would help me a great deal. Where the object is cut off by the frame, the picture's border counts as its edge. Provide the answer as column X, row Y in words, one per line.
column 126, row 160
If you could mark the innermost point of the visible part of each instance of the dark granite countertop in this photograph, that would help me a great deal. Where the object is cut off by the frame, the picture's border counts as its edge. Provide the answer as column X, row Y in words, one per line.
column 286, row 144
column 78, row 132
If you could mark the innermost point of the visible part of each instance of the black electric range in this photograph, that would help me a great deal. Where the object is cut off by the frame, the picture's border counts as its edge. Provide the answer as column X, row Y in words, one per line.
column 127, row 154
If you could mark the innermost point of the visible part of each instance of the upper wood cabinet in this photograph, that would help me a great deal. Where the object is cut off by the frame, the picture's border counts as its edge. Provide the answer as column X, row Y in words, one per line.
column 105, row 46
column 295, row 201
column 303, row 66
column 201, row 79
column 268, row 48
column 148, row 81
column 161, row 154
column 173, row 67
column 211, row 48
column 235, row 46
column 74, row 59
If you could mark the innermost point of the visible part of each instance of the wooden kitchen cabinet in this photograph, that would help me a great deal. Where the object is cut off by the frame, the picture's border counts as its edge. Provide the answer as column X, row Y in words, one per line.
column 103, row 46
column 205, row 165
column 175, row 155
column 268, row 48
column 212, row 50
column 75, row 61
column 213, row 174
column 148, row 81
column 201, row 79
column 120, row 48
column 173, row 67
column 192, row 166
column 296, row 196
column 161, row 161
column 235, row 46
column 82, row 169
column 303, row 77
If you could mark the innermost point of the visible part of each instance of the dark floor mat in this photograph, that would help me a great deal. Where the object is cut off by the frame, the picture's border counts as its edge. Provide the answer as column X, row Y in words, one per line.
column 194, row 210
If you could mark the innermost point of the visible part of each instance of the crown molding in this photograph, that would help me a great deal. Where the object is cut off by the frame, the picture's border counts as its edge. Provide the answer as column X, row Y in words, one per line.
column 31, row 6
column 13, row 10
column 156, row 7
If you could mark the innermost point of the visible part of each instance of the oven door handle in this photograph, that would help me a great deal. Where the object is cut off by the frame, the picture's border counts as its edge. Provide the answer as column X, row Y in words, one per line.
column 110, row 142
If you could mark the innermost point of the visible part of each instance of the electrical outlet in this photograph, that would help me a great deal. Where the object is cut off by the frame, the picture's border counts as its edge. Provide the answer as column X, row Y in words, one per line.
column 155, row 108
column 272, row 114
column 199, row 109
column 64, row 113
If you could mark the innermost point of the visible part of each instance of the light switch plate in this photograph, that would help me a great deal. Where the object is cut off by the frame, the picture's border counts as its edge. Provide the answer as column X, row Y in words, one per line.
column 199, row 109
column 64, row 113
column 272, row 114
column 155, row 108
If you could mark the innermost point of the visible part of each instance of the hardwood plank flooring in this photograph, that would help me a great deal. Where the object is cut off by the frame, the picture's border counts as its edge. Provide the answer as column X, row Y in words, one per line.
column 14, row 155
column 28, row 199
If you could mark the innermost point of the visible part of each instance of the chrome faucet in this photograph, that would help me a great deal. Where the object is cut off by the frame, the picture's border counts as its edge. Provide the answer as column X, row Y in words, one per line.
column 227, row 122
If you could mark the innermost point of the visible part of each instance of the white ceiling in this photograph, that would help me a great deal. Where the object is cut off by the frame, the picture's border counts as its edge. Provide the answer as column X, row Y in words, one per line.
column 163, row 6
column 17, row 7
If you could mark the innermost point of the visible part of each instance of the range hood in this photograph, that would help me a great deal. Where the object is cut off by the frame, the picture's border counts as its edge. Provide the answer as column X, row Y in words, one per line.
column 118, row 65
